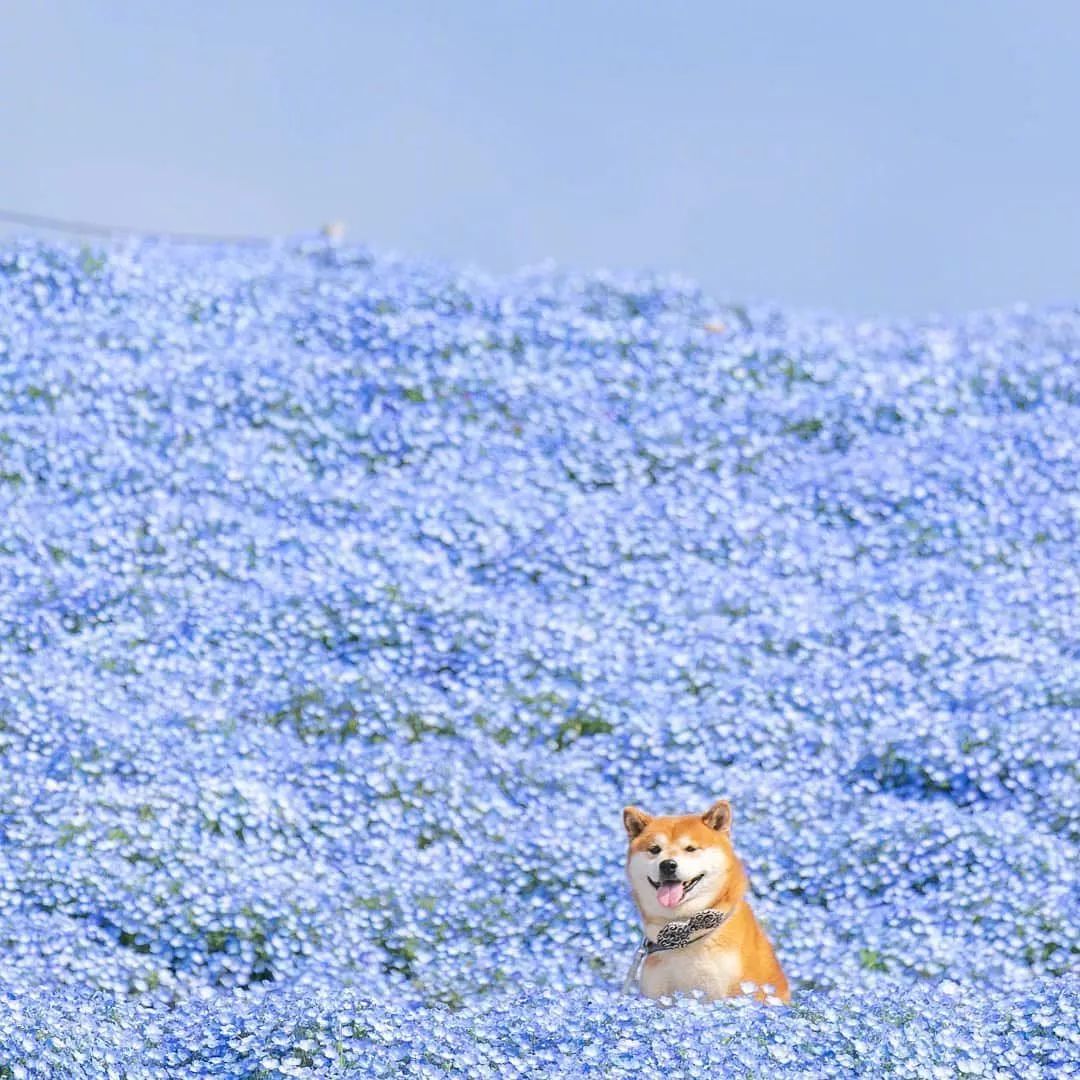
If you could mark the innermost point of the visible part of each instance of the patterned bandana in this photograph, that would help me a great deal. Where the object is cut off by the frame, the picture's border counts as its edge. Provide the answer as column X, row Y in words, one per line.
column 676, row 935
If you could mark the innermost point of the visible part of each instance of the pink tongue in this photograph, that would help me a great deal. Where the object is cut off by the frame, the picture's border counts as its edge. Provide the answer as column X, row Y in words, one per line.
column 670, row 895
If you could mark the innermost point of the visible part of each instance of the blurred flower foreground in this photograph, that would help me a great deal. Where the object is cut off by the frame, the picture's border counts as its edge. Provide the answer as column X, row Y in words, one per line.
column 344, row 602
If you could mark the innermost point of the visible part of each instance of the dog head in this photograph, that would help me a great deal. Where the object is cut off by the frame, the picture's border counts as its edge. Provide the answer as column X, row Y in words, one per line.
column 681, row 865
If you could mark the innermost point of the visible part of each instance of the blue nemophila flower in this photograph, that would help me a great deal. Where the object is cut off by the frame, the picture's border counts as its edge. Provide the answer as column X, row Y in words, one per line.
column 345, row 600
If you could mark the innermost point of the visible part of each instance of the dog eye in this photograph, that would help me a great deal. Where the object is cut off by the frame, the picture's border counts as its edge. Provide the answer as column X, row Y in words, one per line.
column 690, row 847
column 655, row 849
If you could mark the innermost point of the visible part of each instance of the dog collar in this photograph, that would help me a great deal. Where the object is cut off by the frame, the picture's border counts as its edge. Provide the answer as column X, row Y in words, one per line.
column 677, row 935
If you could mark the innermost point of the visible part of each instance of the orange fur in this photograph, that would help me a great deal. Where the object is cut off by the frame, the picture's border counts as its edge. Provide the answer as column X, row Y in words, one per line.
column 739, row 948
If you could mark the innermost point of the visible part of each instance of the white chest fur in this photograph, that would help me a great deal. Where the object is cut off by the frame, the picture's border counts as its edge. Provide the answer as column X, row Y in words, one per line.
column 715, row 971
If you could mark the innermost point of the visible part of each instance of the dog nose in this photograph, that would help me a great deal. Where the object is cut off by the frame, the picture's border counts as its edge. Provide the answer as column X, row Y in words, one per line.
column 668, row 866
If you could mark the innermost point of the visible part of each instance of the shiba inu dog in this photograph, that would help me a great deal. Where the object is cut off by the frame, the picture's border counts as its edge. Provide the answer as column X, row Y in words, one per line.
column 690, row 888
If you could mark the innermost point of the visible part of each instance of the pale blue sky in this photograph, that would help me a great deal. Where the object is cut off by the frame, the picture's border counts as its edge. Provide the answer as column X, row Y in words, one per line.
column 863, row 157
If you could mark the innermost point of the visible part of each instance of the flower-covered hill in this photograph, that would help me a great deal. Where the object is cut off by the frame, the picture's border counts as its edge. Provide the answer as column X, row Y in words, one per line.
column 344, row 602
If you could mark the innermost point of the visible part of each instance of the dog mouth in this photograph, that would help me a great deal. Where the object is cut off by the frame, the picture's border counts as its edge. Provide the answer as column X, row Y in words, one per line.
column 672, row 893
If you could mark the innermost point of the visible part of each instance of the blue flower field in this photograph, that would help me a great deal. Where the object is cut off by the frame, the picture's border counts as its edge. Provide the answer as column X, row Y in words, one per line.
column 346, row 600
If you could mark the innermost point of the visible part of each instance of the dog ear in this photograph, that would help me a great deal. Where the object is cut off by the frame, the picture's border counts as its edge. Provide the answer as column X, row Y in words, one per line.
column 634, row 821
column 718, row 816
